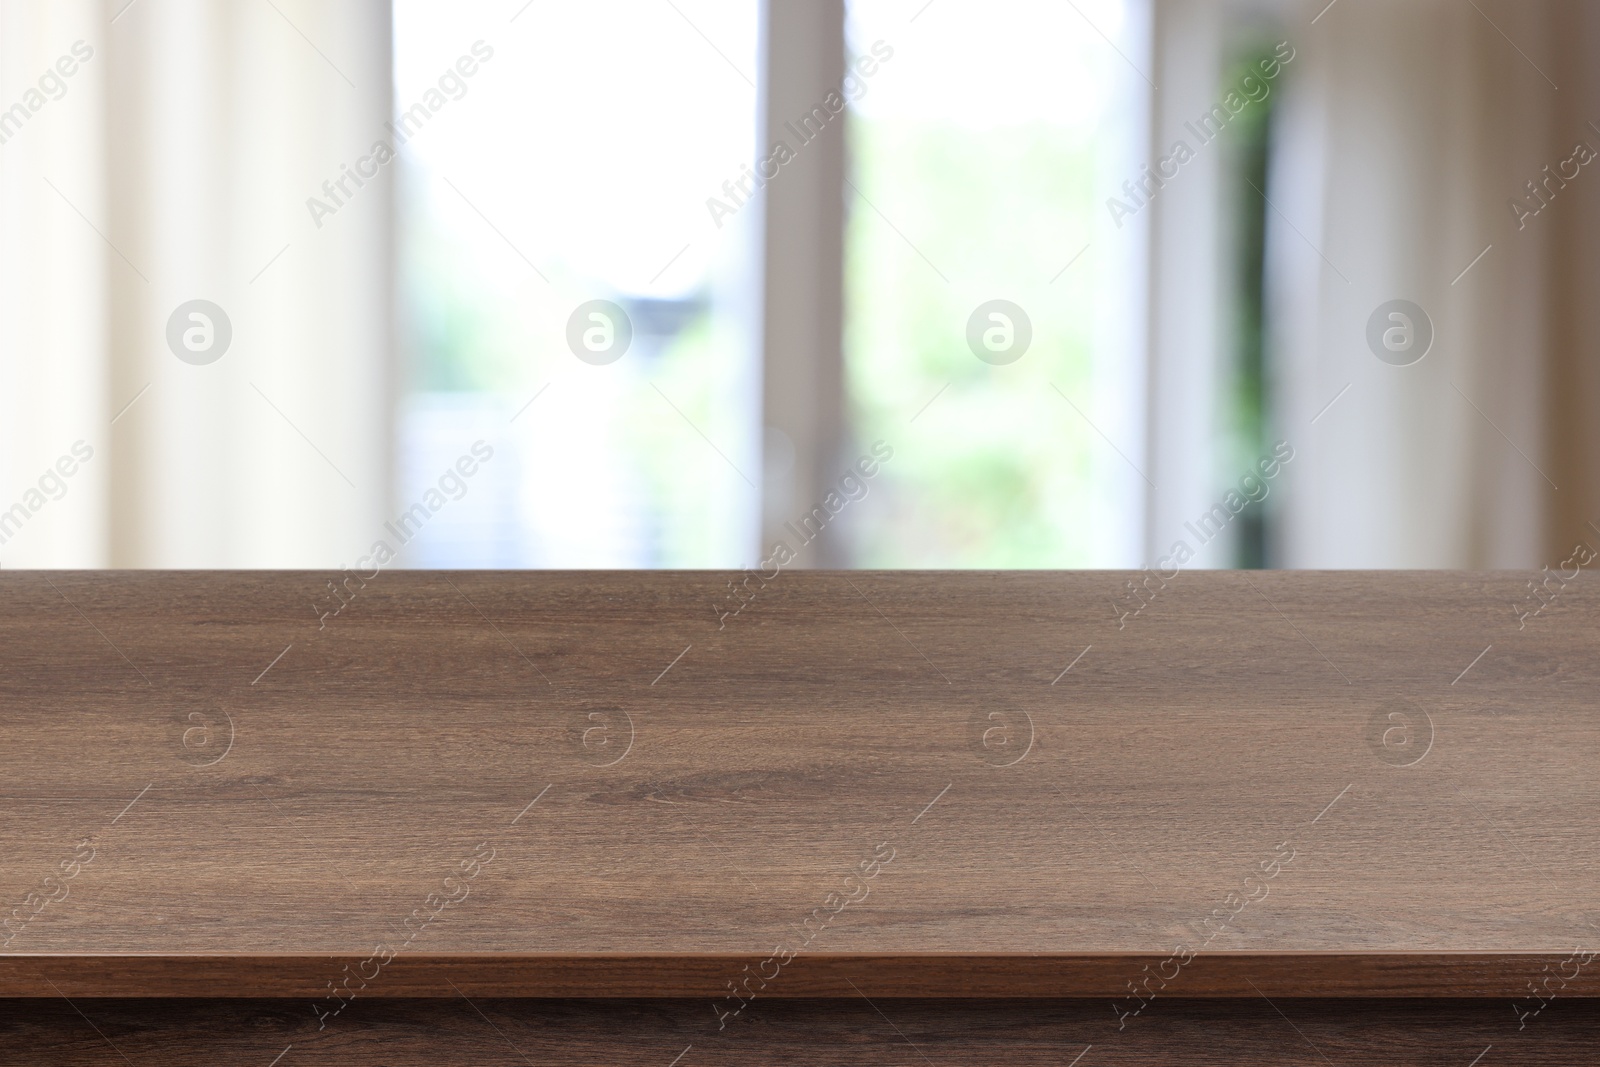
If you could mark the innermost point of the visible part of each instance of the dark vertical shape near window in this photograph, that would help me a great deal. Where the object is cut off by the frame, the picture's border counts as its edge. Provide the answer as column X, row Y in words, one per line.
column 1246, row 382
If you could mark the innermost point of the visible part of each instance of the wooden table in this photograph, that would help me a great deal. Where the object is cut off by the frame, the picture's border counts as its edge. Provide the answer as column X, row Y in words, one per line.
column 866, row 785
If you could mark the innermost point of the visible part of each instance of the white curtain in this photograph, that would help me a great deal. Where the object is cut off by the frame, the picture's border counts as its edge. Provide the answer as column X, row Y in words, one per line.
column 1406, row 133
column 173, row 164
column 1402, row 133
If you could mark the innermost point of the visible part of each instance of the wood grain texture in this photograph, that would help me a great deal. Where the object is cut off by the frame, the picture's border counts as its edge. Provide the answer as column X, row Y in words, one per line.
column 858, row 774
column 828, row 1033
column 935, row 975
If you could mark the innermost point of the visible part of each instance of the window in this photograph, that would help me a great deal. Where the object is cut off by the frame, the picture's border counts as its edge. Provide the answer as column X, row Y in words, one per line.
column 976, row 218
column 564, row 173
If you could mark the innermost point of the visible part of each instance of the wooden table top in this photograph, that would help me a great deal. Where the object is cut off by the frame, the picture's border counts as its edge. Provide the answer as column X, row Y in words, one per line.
column 963, row 783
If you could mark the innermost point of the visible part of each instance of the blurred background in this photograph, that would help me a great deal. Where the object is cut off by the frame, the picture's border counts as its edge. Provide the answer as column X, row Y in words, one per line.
column 739, row 283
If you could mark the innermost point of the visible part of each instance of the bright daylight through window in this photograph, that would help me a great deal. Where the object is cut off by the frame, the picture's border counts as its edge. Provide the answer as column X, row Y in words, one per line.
column 976, row 141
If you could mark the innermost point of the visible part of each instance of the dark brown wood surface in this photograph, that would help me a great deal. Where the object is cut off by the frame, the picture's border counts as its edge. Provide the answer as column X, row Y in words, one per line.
column 504, row 974
column 197, row 767
column 804, row 1033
